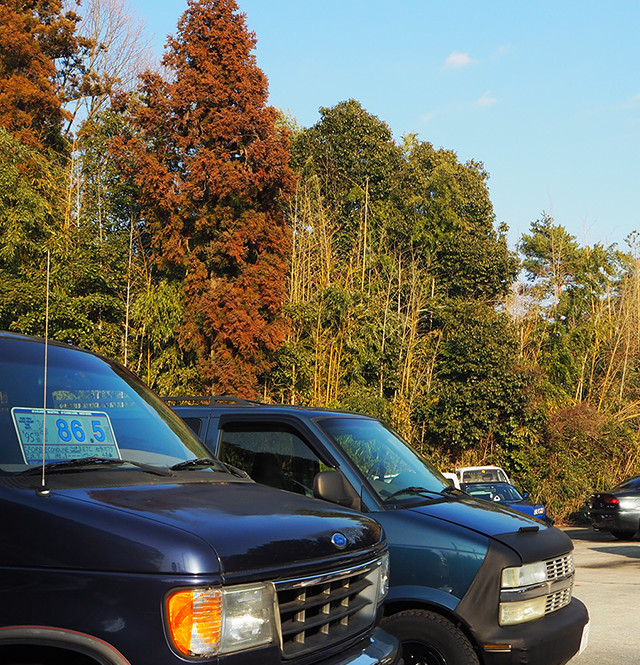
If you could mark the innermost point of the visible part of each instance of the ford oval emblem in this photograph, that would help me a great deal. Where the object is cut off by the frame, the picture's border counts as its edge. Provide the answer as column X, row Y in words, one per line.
column 339, row 541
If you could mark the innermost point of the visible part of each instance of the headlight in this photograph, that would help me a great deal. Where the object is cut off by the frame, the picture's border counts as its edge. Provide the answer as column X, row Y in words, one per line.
column 538, row 510
column 211, row 621
column 530, row 573
column 523, row 610
column 383, row 578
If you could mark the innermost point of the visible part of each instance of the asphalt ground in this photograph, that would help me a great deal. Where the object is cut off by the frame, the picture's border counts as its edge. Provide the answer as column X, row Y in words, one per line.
column 607, row 581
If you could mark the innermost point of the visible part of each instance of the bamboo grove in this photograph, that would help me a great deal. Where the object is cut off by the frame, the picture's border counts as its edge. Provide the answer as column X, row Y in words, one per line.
column 213, row 246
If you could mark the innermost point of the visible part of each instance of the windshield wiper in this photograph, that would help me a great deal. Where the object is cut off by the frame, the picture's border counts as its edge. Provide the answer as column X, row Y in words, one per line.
column 210, row 462
column 417, row 491
column 236, row 471
column 198, row 463
column 89, row 463
column 413, row 491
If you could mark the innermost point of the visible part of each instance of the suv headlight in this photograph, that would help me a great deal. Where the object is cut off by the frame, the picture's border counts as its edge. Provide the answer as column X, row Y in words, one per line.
column 522, row 611
column 205, row 622
column 383, row 578
column 530, row 573
column 522, row 578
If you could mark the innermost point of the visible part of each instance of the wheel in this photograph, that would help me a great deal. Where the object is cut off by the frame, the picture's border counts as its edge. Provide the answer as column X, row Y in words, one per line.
column 429, row 639
column 623, row 534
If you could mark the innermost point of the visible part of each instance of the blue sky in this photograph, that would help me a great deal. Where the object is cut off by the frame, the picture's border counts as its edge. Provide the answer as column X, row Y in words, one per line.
column 546, row 94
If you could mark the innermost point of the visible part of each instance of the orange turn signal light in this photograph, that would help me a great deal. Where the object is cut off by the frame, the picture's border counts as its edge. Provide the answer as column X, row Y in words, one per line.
column 194, row 618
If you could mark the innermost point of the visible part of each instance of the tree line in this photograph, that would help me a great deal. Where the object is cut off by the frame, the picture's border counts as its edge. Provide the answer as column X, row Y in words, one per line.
column 213, row 246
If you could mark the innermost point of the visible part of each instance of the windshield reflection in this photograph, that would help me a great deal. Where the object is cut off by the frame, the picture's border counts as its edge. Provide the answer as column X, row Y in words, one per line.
column 96, row 412
column 393, row 470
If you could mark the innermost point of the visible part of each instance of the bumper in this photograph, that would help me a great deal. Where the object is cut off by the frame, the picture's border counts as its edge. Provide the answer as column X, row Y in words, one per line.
column 552, row 640
column 380, row 649
column 623, row 521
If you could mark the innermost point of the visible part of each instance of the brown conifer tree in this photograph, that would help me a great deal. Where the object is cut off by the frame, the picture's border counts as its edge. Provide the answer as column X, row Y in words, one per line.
column 40, row 69
column 213, row 168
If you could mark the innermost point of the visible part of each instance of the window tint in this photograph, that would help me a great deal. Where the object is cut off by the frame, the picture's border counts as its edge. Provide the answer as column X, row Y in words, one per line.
column 94, row 407
column 195, row 424
column 272, row 455
column 631, row 484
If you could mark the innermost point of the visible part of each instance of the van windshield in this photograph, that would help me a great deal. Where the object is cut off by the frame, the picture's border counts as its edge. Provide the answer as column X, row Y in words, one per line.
column 391, row 467
column 95, row 409
column 483, row 474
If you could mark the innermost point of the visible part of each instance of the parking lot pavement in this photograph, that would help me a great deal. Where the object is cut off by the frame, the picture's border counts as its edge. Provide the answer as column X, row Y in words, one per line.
column 608, row 582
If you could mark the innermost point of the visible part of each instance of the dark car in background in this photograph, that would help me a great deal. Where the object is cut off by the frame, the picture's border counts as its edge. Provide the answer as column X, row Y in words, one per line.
column 617, row 510
column 507, row 495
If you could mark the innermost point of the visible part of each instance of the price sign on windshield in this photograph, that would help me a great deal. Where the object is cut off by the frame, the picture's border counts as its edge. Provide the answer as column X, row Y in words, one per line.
column 69, row 434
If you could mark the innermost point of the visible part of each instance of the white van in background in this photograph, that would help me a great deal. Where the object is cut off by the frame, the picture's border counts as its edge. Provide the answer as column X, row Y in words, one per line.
column 480, row 474
column 453, row 478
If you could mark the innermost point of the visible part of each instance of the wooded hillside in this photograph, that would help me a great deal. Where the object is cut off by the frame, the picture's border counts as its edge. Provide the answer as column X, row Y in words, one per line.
column 206, row 241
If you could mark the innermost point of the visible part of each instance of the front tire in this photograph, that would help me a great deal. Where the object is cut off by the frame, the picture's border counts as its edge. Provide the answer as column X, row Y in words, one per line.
column 429, row 639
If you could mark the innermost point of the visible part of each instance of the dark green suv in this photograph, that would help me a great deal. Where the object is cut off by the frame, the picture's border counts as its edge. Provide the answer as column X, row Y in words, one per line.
column 471, row 582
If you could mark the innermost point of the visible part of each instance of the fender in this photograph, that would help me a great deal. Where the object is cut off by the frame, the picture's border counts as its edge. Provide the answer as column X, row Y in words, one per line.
column 422, row 595
column 49, row 636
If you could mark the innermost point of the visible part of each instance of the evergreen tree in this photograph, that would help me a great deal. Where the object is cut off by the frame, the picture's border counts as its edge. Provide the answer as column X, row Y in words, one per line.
column 341, row 349
column 212, row 168
column 398, row 275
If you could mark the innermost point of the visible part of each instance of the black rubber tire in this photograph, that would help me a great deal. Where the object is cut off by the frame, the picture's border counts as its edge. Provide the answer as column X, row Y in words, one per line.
column 430, row 639
column 622, row 534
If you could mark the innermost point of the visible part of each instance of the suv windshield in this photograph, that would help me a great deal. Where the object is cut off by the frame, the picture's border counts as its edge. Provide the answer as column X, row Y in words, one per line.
column 390, row 465
column 95, row 409
column 493, row 491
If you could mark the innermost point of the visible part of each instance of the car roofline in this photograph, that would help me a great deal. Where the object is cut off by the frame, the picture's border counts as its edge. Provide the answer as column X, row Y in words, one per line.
column 232, row 403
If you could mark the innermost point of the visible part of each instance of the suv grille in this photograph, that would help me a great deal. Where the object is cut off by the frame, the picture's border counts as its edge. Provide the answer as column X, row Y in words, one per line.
column 557, row 600
column 559, row 568
column 318, row 612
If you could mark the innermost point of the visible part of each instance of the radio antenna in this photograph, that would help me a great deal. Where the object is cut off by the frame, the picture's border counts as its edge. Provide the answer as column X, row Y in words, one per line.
column 44, row 491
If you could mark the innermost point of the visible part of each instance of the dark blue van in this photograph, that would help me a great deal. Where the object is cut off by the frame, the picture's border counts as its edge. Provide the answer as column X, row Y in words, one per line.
column 124, row 543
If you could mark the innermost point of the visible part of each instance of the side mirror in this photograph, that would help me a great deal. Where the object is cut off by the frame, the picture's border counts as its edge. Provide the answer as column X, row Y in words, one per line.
column 526, row 495
column 329, row 485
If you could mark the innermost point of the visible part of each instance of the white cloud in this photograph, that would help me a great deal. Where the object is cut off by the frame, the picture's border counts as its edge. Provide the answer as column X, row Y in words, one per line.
column 502, row 51
column 457, row 60
column 632, row 102
column 486, row 100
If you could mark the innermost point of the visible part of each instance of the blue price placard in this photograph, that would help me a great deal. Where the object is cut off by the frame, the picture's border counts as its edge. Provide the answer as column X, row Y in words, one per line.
column 68, row 434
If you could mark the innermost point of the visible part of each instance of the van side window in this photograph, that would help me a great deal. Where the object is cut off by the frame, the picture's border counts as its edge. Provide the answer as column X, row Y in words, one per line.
column 195, row 424
column 271, row 455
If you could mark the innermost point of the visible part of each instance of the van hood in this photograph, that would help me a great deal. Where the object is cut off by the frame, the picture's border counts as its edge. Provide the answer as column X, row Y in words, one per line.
column 531, row 538
column 212, row 528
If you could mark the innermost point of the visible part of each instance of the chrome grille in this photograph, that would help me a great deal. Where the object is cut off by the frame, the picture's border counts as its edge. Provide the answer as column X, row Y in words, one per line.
column 559, row 568
column 556, row 601
column 318, row 612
